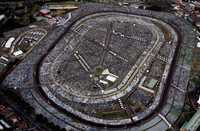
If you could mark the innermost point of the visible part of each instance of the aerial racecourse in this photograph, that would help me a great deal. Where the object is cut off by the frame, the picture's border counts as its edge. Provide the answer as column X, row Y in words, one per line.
column 109, row 68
